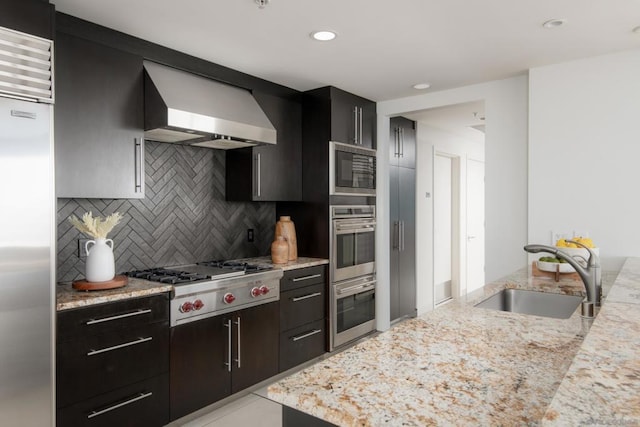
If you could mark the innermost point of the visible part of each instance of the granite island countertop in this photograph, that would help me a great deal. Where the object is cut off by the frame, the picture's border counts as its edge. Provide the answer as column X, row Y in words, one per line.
column 68, row 298
column 461, row 365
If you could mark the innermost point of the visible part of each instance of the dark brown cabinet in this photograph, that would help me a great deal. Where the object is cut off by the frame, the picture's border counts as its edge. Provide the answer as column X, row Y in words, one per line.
column 351, row 118
column 112, row 364
column 270, row 172
column 215, row 357
column 303, row 304
column 33, row 17
column 99, row 121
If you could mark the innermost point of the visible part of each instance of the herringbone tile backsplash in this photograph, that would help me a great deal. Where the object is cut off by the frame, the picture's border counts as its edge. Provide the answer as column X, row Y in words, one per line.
column 183, row 218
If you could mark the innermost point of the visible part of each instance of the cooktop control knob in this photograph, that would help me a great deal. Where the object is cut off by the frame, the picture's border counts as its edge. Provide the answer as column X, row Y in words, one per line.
column 186, row 307
column 255, row 292
column 228, row 298
column 198, row 304
column 264, row 290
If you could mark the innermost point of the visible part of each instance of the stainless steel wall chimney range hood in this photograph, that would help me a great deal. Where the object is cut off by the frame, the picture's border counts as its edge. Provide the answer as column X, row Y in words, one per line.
column 188, row 109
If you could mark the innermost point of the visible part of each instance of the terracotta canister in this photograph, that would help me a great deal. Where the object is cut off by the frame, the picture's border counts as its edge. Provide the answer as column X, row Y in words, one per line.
column 286, row 228
column 279, row 251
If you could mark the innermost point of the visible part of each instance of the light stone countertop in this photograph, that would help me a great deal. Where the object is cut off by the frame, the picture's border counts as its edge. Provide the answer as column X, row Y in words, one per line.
column 301, row 262
column 460, row 365
column 602, row 386
column 68, row 298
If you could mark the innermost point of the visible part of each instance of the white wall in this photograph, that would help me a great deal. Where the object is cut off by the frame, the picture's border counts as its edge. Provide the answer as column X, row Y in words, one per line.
column 506, row 184
column 584, row 152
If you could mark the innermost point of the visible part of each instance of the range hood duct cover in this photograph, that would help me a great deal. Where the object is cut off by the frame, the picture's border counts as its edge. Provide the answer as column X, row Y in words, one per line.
column 184, row 108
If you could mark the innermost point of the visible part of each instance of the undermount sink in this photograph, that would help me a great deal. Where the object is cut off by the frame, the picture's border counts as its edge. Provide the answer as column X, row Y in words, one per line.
column 545, row 304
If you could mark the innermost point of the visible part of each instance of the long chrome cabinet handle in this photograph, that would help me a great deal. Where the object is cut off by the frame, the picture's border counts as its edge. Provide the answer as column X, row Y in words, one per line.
column 140, row 396
column 360, row 109
column 308, row 334
column 402, row 234
column 121, row 316
column 239, row 340
column 228, row 363
column 138, row 164
column 401, row 142
column 315, row 294
column 254, row 190
column 259, row 178
column 355, row 125
column 313, row 276
column 115, row 347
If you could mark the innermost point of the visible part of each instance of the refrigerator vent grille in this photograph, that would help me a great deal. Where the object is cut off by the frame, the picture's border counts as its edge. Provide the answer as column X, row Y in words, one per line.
column 26, row 66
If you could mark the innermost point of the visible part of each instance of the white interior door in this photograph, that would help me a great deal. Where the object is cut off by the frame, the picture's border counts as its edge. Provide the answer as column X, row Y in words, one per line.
column 475, row 225
column 442, row 227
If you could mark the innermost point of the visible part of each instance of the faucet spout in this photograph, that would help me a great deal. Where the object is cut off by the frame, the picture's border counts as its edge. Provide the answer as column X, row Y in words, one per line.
column 590, row 275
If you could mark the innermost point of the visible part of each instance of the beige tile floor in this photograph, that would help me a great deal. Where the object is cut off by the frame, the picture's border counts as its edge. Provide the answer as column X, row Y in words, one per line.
column 250, row 410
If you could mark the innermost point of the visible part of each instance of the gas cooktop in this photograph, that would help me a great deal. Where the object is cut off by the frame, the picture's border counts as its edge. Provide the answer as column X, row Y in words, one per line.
column 211, row 288
column 193, row 273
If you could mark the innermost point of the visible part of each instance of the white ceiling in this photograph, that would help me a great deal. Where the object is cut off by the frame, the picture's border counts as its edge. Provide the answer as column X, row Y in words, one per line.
column 383, row 47
column 465, row 120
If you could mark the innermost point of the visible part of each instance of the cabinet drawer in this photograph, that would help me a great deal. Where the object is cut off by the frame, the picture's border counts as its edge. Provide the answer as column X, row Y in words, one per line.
column 301, row 344
column 145, row 403
column 102, row 318
column 301, row 306
column 92, row 365
column 302, row 277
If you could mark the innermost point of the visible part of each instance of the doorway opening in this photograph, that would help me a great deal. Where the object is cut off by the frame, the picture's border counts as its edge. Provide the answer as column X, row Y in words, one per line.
column 451, row 144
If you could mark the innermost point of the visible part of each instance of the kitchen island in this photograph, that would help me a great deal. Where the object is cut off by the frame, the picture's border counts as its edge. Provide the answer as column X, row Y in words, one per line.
column 461, row 365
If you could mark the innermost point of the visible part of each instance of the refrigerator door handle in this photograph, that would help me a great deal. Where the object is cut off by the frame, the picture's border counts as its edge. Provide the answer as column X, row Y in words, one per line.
column 395, row 241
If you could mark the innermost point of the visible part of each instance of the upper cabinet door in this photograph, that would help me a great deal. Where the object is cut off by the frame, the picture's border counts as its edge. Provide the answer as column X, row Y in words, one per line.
column 99, row 124
column 269, row 172
column 33, row 17
column 402, row 142
column 353, row 119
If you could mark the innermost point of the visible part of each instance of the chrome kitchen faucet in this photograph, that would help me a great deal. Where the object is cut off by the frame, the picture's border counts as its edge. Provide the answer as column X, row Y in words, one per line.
column 591, row 275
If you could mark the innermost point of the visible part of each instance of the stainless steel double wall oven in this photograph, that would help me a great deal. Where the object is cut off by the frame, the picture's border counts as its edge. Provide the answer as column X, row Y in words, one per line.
column 353, row 272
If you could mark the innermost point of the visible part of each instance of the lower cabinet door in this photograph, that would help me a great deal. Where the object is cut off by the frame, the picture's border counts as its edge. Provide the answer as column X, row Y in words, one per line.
column 143, row 404
column 301, row 344
column 200, row 374
column 255, row 352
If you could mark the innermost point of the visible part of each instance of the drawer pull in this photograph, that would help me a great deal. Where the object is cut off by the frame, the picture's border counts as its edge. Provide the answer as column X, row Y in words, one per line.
column 119, row 405
column 115, row 347
column 121, row 316
column 316, row 294
column 313, row 276
column 308, row 334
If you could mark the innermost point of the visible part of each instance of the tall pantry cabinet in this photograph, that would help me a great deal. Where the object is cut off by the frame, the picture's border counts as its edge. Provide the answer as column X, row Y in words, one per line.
column 402, row 204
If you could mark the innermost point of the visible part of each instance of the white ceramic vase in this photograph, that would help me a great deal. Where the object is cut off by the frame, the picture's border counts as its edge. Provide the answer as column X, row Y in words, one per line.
column 100, row 265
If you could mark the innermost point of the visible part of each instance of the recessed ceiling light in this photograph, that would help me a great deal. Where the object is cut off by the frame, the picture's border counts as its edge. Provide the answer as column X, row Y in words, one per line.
column 324, row 35
column 421, row 86
column 554, row 23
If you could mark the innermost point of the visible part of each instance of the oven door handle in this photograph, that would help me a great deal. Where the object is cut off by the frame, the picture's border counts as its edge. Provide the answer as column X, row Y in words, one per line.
column 360, row 287
column 355, row 229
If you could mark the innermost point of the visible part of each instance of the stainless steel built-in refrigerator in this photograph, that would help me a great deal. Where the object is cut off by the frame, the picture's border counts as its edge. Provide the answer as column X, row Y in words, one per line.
column 27, row 215
column 402, row 206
